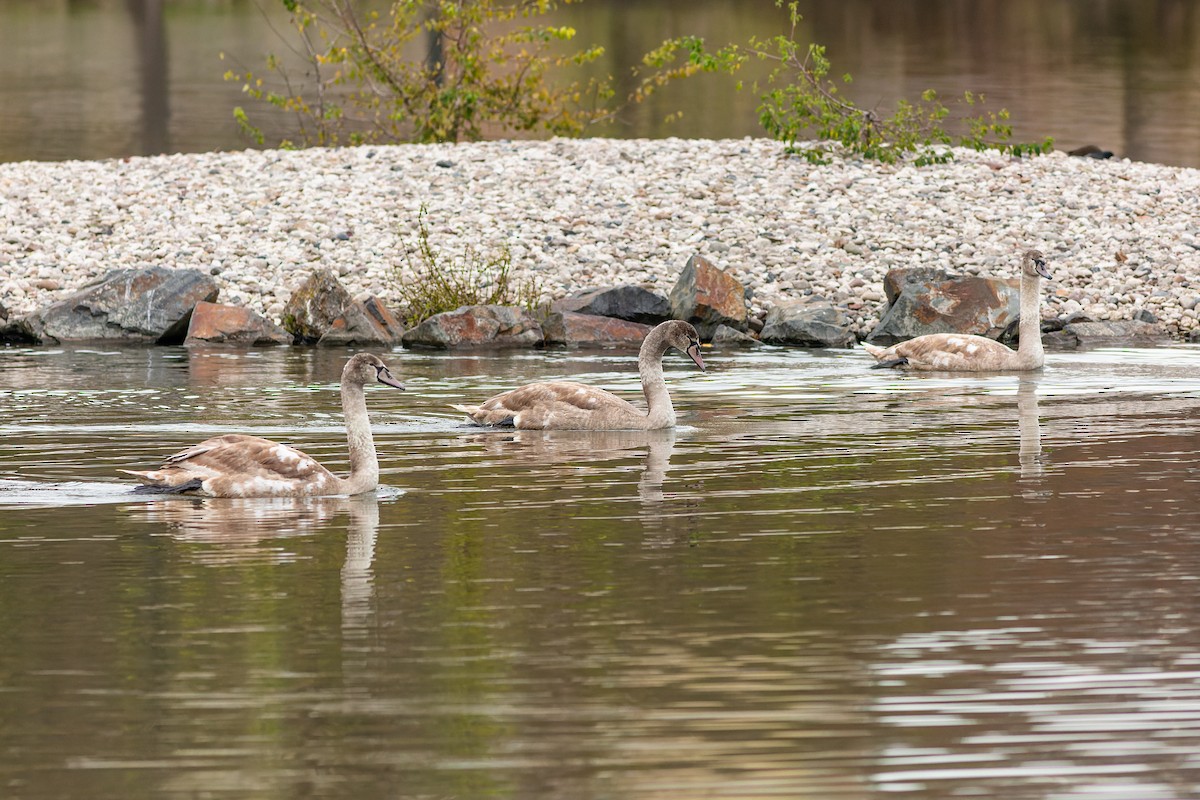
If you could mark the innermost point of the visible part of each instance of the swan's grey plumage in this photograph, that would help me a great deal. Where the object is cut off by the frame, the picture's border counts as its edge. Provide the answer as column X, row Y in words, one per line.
column 566, row 405
column 236, row 465
column 956, row 352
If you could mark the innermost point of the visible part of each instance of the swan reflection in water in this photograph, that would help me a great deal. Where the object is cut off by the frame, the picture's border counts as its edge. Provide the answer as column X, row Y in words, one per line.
column 558, row 448
column 225, row 531
column 1029, row 454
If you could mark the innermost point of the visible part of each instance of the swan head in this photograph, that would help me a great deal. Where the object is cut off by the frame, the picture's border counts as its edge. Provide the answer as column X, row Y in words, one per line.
column 365, row 368
column 1035, row 264
column 683, row 337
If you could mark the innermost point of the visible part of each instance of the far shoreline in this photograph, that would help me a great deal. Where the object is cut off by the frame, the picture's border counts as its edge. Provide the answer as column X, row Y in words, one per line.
column 580, row 214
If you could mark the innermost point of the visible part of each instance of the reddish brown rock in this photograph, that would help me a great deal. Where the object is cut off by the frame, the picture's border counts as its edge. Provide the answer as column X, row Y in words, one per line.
column 215, row 323
column 366, row 323
column 487, row 326
column 927, row 302
column 587, row 330
column 707, row 297
column 383, row 316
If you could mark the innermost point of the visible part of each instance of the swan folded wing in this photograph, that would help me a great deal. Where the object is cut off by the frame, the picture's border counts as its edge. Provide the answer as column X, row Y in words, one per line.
column 235, row 465
column 564, row 403
column 957, row 352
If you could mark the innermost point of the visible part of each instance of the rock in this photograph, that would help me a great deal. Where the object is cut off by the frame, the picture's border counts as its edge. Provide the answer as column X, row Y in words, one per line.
column 486, row 326
column 707, row 297
column 897, row 279
column 1090, row 151
column 1011, row 336
column 367, row 323
column 313, row 308
column 807, row 324
column 21, row 330
column 216, row 323
column 135, row 305
column 587, row 330
column 628, row 302
column 3, row 314
column 928, row 304
column 383, row 316
column 1100, row 334
column 725, row 336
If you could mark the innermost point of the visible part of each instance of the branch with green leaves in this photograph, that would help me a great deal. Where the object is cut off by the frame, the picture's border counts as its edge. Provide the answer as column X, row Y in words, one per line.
column 798, row 99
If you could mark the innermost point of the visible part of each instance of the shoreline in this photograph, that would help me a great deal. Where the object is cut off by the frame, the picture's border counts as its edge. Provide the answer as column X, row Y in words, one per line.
column 1122, row 237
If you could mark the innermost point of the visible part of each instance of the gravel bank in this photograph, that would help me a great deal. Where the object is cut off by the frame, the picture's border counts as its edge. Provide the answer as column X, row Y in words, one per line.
column 576, row 214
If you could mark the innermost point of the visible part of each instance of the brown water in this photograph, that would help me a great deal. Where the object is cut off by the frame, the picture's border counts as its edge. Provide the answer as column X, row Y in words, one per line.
column 111, row 78
column 828, row 582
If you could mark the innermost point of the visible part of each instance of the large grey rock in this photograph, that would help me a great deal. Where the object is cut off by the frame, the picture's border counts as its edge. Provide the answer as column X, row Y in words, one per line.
column 1104, row 334
column 927, row 303
column 807, row 324
column 628, row 302
column 587, row 330
column 487, row 326
column 707, row 297
column 134, row 305
column 725, row 336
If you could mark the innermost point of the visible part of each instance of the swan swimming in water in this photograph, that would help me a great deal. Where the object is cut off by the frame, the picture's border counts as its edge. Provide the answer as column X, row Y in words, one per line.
column 566, row 405
column 237, row 465
column 956, row 352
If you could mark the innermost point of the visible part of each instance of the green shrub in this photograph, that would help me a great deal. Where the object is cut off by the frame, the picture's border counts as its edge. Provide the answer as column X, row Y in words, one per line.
column 799, row 98
column 441, row 284
column 494, row 68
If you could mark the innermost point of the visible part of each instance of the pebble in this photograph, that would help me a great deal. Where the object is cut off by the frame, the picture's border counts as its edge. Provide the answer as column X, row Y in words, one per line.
column 574, row 214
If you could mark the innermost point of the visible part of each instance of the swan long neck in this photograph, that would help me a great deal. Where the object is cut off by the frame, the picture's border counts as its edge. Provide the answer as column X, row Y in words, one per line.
column 364, row 462
column 1030, row 346
column 658, row 400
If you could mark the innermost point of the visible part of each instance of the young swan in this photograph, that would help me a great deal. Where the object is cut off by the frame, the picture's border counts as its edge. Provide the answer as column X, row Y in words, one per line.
column 235, row 465
column 564, row 405
column 956, row 352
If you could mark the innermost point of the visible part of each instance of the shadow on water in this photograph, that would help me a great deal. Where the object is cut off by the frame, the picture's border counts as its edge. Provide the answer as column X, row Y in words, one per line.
column 830, row 581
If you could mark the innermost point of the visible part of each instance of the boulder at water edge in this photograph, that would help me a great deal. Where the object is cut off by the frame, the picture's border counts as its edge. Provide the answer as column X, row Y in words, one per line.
column 707, row 297
column 725, row 336
column 216, row 323
column 807, row 324
column 132, row 305
column 322, row 312
column 586, row 330
column 628, row 302
column 366, row 323
column 1124, row 332
column 487, row 326
column 928, row 303
column 313, row 307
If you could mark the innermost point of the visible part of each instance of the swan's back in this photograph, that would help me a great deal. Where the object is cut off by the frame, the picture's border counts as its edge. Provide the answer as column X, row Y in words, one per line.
column 947, row 351
column 556, row 404
column 237, row 465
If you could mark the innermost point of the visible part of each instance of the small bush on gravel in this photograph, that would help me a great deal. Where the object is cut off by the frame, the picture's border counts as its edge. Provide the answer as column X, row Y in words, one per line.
column 444, row 284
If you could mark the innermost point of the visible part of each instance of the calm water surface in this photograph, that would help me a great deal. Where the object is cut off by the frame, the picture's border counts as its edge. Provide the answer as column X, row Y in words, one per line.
column 828, row 582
